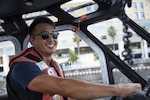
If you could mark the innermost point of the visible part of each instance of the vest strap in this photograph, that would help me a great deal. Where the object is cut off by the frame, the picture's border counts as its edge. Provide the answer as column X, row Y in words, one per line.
column 30, row 56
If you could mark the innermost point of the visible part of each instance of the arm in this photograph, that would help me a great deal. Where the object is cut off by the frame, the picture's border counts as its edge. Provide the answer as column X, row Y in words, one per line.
column 79, row 89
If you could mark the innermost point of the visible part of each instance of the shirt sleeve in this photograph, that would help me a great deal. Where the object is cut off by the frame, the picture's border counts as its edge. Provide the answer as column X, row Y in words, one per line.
column 22, row 73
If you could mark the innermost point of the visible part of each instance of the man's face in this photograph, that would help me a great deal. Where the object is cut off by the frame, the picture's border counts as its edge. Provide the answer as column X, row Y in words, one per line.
column 46, row 47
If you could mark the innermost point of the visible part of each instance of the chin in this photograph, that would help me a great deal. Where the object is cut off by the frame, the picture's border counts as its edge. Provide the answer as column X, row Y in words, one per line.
column 52, row 51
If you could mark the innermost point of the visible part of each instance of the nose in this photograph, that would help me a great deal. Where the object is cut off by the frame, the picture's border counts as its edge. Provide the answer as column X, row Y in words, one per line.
column 50, row 37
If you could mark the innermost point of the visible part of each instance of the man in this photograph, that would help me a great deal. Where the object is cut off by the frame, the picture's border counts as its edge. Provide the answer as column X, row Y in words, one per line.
column 34, row 75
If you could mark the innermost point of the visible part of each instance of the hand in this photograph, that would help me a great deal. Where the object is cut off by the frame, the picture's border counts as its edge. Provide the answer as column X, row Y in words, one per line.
column 128, row 89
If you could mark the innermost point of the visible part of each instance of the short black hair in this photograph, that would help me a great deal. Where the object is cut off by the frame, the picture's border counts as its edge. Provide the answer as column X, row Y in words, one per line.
column 40, row 20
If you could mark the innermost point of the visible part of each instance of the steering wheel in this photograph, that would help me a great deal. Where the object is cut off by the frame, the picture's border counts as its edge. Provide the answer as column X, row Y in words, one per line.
column 138, row 96
column 135, row 96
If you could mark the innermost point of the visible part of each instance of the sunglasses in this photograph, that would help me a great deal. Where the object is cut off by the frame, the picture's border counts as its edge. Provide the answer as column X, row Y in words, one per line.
column 45, row 35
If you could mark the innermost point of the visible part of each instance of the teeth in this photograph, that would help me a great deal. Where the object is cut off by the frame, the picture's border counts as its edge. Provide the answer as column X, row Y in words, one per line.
column 51, row 45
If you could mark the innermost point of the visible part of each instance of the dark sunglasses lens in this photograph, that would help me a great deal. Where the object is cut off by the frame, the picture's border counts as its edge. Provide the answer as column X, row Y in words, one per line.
column 45, row 35
column 55, row 35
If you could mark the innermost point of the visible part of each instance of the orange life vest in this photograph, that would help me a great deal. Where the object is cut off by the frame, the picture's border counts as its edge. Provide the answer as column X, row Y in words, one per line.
column 31, row 55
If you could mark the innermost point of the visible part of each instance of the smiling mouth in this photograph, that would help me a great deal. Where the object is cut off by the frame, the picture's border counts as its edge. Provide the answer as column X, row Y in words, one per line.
column 50, row 45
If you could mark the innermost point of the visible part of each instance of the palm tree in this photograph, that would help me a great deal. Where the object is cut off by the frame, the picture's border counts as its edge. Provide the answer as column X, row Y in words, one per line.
column 96, row 57
column 77, row 39
column 112, row 32
column 72, row 56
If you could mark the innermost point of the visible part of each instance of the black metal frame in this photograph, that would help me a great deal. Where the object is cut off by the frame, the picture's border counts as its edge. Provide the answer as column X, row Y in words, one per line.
column 108, row 9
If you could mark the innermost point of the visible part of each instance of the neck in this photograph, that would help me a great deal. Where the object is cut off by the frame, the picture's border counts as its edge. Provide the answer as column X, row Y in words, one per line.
column 47, row 60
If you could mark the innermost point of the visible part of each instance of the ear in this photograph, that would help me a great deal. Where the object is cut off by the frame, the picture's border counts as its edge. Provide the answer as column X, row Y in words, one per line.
column 31, row 40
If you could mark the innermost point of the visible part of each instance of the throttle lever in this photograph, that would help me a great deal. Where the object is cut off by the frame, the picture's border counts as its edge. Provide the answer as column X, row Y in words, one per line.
column 135, row 96
column 145, row 95
column 138, row 96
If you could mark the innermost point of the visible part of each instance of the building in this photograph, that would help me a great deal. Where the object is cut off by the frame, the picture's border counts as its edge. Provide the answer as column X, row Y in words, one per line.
column 138, row 12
